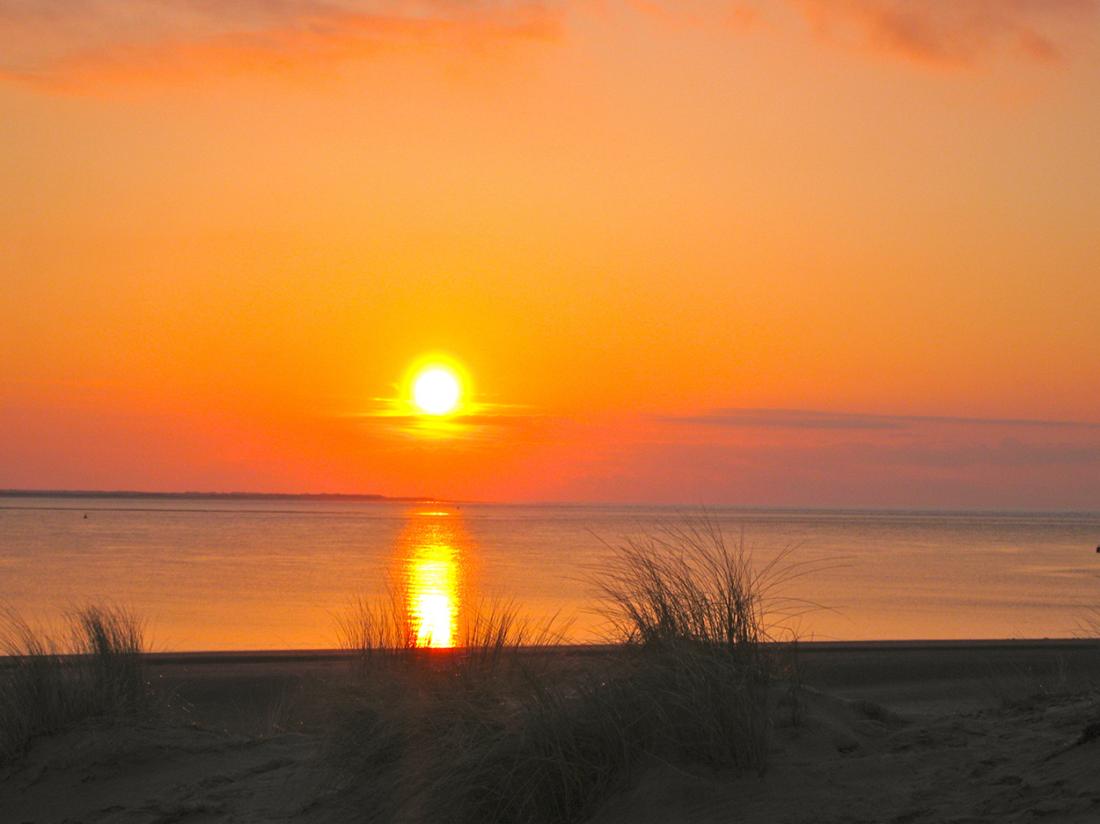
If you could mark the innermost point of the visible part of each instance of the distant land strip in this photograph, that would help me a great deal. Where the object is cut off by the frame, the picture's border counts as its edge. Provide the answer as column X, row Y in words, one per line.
column 207, row 496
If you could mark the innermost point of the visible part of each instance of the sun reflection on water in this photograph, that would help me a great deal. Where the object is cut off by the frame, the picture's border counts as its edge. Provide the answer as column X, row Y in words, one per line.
column 433, row 595
column 433, row 545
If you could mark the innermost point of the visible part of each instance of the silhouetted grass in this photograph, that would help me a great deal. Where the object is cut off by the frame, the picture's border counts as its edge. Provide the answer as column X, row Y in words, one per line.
column 490, row 733
column 694, row 615
column 47, row 685
column 1015, row 685
column 376, row 628
column 685, row 582
column 411, row 708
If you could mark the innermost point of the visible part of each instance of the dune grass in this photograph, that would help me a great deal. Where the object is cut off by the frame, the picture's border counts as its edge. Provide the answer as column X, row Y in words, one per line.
column 376, row 628
column 412, row 714
column 489, row 733
column 49, row 684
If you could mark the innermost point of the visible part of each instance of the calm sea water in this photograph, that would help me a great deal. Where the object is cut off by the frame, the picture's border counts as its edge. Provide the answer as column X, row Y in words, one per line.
column 276, row 574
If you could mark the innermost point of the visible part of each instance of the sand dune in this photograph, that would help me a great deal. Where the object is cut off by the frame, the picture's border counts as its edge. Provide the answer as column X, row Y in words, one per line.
column 889, row 733
column 991, row 765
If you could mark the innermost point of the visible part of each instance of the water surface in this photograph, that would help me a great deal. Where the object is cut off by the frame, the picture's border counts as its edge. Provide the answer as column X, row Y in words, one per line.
column 245, row 574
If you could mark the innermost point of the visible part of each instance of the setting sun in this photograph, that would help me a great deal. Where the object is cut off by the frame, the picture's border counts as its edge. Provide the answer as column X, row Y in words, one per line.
column 436, row 390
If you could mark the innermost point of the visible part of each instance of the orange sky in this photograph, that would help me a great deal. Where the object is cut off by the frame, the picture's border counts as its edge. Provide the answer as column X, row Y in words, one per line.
column 798, row 252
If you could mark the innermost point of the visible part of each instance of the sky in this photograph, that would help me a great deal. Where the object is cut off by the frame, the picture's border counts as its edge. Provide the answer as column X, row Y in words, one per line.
column 789, row 253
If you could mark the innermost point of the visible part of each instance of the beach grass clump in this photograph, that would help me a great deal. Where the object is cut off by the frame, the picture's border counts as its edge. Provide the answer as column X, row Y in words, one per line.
column 404, row 701
column 376, row 629
column 47, row 685
column 490, row 732
column 688, row 613
column 687, row 680
column 558, row 749
column 699, row 620
column 685, row 583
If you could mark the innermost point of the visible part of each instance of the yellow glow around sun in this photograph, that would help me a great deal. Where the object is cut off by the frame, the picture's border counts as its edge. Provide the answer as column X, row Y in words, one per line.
column 436, row 390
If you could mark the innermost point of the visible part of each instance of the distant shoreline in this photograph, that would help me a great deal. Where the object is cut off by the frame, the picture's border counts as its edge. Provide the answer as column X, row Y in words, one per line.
column 207, row 496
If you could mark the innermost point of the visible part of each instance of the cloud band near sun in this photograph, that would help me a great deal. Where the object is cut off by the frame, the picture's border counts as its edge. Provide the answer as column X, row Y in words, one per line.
column 808, row 419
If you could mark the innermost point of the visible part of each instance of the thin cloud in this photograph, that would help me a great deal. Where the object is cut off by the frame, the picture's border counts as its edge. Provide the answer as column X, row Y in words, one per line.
column 479, row 411
column 91, row 46
column 819, row 420
column 477, row 421
column 80, row 46
column 961, row 468
column 950, row 34
column 733, row 14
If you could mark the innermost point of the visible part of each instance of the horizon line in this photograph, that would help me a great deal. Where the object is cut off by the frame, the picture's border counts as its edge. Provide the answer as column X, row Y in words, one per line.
column 380, row 498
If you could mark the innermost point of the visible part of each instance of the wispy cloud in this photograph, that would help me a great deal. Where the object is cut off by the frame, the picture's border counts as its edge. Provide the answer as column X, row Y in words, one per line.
column 82, row 45
column 950, row 33
column 819, row 420
column 824, row 460
column 477, row 420
column 735, row 14
column 88, row 46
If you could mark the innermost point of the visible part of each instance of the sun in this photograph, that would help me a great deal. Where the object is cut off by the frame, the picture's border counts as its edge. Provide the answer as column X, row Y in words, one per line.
column 436, row 390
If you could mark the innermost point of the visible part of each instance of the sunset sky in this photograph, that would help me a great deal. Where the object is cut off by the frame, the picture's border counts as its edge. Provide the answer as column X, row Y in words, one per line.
column 802, row 252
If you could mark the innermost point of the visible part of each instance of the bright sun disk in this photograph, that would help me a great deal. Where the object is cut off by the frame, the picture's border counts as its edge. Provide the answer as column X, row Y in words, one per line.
column 436, row 390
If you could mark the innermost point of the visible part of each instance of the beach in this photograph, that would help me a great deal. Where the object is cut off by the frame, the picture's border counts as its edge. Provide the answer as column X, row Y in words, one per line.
column 892, row 732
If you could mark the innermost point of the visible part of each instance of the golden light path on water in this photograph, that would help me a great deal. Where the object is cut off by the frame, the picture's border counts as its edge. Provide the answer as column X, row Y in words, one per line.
column 433, row 548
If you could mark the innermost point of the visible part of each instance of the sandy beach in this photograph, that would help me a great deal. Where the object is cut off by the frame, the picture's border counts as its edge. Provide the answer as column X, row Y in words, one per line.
column 891, row 732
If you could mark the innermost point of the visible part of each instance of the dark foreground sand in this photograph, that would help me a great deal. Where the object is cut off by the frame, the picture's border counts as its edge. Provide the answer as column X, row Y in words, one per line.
column 905, row 732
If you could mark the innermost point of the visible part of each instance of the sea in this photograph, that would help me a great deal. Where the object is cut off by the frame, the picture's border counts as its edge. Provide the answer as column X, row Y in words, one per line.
column 279, row 574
